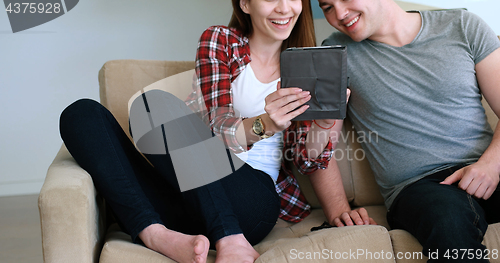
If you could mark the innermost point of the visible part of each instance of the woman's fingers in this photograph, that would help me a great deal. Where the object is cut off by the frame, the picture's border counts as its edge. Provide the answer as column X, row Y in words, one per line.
column 282, row 121
column 283, row 109
column 285, row 104
column 292, row 114
column 280, row 93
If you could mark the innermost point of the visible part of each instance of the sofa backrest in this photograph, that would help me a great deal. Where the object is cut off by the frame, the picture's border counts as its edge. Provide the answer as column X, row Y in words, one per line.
column 120, row 80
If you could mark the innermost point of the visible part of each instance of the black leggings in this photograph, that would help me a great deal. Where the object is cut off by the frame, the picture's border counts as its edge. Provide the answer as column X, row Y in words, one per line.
column 139, row 195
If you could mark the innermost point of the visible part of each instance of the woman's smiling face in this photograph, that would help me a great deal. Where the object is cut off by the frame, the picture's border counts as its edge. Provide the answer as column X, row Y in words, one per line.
column 272, row 19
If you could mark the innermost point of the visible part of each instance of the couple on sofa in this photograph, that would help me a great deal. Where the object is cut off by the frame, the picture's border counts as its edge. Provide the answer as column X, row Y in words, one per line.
column 416, row 78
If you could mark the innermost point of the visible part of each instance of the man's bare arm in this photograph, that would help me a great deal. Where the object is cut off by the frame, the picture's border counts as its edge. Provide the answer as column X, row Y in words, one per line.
column 481, row 178
column 327, row 185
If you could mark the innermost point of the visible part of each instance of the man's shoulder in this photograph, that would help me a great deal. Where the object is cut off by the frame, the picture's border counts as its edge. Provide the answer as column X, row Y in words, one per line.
column 450, row 15
column 457, row 22
column 450, row 12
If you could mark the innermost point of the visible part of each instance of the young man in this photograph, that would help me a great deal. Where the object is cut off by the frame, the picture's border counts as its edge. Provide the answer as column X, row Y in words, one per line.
column 417, row 80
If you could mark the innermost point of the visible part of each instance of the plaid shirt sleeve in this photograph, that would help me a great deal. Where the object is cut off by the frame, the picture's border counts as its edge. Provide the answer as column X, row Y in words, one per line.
column 294, row 206
column 222, row 54
column 298, row 153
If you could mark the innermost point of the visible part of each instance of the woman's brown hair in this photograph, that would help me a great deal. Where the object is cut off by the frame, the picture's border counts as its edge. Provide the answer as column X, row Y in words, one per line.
column 302, row 34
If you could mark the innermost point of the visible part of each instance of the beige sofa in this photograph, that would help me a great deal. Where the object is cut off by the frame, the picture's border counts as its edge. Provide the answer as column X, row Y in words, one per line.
column 77, row 228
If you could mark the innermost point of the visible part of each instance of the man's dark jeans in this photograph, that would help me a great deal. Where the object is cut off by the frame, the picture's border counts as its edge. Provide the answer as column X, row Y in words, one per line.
column 140, row 195
column 445, row 219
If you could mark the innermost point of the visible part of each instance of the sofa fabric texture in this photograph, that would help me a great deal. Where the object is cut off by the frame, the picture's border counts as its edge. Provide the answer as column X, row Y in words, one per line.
column 77, row 228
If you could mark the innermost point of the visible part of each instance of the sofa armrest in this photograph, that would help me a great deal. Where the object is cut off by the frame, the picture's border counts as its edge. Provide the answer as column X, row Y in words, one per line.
column 70, row 217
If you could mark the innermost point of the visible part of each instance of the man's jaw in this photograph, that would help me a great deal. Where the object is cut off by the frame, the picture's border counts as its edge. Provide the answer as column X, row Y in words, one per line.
column 351, row 27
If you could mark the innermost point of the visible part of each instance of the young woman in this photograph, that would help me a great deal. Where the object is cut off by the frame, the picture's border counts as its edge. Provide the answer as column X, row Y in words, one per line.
column 238, row 74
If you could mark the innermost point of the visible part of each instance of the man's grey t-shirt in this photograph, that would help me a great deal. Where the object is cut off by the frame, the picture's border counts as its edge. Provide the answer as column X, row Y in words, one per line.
column 422, row 100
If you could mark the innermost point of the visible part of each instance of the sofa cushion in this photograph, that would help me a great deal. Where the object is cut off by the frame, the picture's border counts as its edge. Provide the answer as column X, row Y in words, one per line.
column 119, row 248
column 287, row 242
column 353, row 244
column 406, row 247
column 490, row 115
column 365, row 189
column 492, row 241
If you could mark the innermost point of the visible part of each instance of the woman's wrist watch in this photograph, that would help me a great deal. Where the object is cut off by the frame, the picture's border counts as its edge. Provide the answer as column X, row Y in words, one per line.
column 259, row 128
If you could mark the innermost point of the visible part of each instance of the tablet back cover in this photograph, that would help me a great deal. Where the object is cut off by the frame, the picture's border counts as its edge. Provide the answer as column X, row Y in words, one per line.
column 323, row 72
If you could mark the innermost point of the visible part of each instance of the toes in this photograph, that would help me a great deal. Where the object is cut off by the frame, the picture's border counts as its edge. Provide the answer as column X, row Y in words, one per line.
column 201, row 245
column 199, row 259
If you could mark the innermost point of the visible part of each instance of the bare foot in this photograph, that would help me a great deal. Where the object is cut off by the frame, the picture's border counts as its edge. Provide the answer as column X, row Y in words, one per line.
column 235, row 249
column 175, row 245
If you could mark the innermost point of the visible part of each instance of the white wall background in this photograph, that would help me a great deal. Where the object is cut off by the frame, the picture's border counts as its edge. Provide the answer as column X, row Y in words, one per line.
column 45, row 68
column 487, row 9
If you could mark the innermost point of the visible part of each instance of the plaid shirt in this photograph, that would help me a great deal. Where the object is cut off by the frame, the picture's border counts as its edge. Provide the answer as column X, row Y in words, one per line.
column 222, row 55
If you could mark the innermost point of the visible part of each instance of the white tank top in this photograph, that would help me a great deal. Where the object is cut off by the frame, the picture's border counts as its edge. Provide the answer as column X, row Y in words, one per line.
column 249, row 101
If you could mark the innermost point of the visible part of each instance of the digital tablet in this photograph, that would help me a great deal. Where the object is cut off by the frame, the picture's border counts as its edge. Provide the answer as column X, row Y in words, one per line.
column 323, row 72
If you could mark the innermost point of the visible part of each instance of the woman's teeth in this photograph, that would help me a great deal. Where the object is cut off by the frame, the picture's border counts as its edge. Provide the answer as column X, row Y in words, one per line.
column 280, row 22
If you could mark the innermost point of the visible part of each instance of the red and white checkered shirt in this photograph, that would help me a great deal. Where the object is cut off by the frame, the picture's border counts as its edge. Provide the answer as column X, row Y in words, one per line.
column 222, row 55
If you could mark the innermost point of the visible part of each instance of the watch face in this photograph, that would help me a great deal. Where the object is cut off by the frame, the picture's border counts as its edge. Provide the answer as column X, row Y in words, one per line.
column 257, row 127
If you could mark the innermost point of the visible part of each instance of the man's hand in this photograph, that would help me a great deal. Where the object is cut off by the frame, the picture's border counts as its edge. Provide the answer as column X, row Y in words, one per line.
column 357, row 216
column 331, row 122
column 478, row 179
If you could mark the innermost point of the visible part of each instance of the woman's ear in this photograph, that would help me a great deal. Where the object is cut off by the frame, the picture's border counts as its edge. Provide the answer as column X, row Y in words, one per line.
column 244, row 6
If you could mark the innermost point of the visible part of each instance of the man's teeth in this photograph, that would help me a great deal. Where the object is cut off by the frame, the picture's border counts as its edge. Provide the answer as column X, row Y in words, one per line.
column 280, row 22
column 352, row 22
